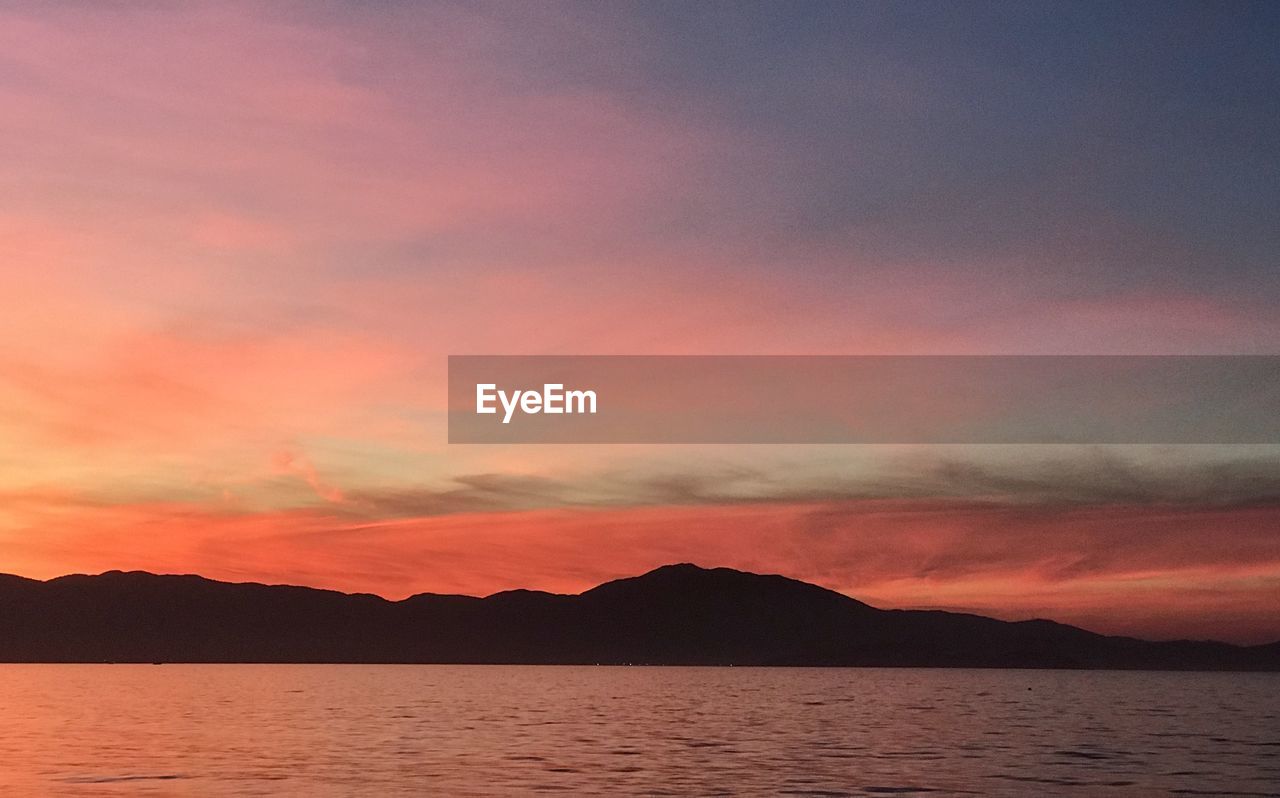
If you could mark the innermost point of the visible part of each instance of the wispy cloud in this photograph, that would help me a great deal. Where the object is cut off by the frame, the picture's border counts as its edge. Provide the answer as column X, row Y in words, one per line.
column 1091, row 477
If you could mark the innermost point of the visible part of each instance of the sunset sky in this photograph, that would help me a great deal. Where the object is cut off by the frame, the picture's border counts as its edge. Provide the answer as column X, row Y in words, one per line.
column 238, row 242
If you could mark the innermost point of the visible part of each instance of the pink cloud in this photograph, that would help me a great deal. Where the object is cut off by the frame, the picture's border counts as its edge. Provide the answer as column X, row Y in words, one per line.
column 292, row 462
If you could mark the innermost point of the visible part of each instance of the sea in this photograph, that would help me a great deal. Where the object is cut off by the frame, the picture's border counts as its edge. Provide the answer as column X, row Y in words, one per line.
column 390, row 730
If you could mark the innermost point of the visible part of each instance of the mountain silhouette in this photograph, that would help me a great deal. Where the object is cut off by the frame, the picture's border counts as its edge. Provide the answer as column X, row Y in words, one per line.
column 674, row 615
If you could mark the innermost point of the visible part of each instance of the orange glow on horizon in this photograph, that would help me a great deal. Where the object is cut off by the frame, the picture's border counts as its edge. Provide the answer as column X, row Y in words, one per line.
column 1084, row 566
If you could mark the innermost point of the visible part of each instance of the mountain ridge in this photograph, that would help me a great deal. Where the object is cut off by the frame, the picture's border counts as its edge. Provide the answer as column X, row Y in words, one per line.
column 679, row 614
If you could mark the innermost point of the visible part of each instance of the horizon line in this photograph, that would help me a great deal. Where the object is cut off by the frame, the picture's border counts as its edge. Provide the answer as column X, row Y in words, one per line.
column 667, row 566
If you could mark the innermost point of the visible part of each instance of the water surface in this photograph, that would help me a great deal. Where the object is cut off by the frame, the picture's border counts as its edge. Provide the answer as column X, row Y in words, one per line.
column 490, row 730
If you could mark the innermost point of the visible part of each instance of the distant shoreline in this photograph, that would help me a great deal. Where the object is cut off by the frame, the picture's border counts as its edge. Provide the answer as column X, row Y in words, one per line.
column 676, row 615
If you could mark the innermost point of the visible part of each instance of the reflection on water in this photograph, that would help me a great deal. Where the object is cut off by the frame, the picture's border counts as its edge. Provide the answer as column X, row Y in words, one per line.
column 476, row 730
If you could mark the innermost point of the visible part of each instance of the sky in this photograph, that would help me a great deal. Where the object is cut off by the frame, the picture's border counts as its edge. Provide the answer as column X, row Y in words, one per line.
column 238, row 242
